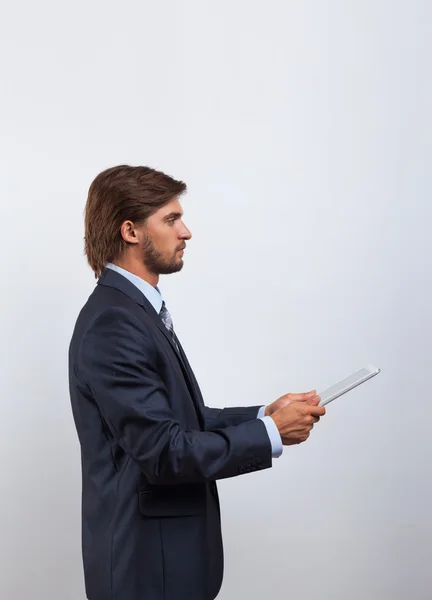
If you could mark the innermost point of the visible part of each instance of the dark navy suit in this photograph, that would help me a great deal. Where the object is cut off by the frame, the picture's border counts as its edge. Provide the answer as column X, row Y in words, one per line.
column 151, row 453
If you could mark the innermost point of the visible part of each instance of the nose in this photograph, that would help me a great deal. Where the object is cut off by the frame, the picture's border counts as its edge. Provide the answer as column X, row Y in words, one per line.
column 185, row 233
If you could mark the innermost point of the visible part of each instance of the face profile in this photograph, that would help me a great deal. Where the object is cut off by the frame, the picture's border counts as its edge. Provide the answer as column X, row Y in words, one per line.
column 157, row 245
column 163, row 240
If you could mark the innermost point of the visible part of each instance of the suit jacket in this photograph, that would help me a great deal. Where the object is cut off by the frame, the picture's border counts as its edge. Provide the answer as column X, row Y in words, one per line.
column 151, row 452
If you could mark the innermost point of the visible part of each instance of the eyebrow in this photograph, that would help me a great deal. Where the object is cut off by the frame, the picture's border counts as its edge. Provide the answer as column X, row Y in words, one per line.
column 173, row 215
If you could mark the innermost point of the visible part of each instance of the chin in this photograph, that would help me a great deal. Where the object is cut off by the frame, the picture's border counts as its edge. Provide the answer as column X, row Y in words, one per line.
column 172, row 268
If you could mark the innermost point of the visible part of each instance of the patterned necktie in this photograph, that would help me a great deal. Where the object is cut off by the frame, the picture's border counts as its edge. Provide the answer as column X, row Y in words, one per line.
column 167, row 321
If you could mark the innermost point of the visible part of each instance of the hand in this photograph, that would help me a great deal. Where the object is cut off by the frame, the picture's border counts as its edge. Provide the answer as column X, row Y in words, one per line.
column 296, row 420
column 287, row 399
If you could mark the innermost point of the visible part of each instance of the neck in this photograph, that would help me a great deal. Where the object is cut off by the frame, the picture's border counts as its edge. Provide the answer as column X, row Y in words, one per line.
column 137, row 268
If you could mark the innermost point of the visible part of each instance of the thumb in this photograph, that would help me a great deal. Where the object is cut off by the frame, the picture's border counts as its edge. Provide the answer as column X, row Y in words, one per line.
column 303, row 397
column 314, row 400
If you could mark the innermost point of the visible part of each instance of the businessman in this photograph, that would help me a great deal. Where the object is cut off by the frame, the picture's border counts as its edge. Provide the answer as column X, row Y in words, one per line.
column 151, row 450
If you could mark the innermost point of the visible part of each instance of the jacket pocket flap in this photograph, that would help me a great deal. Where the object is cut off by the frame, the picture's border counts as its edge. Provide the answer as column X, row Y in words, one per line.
column 173, row 500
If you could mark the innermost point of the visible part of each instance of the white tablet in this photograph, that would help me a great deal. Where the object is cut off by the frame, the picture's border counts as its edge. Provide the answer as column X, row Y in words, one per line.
column 348, row 384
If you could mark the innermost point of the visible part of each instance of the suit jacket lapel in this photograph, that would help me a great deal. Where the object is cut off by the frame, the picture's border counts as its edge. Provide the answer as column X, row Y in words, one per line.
column 190, row 375
column 111, row 278
column 184, row 365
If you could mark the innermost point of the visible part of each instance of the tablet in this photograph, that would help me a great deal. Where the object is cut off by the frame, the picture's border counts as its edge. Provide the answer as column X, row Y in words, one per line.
column 348, row 384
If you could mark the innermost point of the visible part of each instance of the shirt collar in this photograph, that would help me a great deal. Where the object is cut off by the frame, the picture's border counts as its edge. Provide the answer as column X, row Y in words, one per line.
column 152, row 294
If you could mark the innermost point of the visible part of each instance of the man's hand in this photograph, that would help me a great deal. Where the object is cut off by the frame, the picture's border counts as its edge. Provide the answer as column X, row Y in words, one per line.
column 287, row 399
column 296, row 420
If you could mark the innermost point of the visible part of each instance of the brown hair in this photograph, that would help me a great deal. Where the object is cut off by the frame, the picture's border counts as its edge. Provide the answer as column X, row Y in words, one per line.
column 120, row 194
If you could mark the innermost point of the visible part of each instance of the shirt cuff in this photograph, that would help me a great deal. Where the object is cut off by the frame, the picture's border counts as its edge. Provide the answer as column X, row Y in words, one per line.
column 261, row 412
column 274, row 435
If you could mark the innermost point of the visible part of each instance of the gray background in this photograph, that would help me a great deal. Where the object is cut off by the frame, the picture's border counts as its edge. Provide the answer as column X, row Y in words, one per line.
column 303, row 129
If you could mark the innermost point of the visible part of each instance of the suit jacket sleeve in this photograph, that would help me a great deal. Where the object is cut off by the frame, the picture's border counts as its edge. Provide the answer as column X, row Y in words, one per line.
column 117, row 362
column 218, row 418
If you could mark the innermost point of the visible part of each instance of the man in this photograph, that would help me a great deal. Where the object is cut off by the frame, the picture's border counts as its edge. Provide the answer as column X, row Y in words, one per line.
column 151, row 450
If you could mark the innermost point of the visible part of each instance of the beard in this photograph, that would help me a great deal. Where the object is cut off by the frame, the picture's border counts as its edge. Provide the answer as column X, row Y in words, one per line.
column 157, row 263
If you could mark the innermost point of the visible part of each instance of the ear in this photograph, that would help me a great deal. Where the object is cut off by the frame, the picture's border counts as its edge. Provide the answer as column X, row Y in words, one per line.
column 129, row 232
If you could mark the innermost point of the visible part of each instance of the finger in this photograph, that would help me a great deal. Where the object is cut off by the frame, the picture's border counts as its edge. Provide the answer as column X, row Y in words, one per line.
column 317, row 411
column 302, row 397
column 314, row 401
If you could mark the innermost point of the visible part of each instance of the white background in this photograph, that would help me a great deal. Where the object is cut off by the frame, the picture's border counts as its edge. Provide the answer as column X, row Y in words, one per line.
column 303, row 130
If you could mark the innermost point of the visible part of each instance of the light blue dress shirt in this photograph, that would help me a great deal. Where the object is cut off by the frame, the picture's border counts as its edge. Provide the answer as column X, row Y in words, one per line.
column 155, row 298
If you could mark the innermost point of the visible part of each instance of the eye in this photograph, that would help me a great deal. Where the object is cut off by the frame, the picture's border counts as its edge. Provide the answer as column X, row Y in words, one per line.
column 171, row 222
